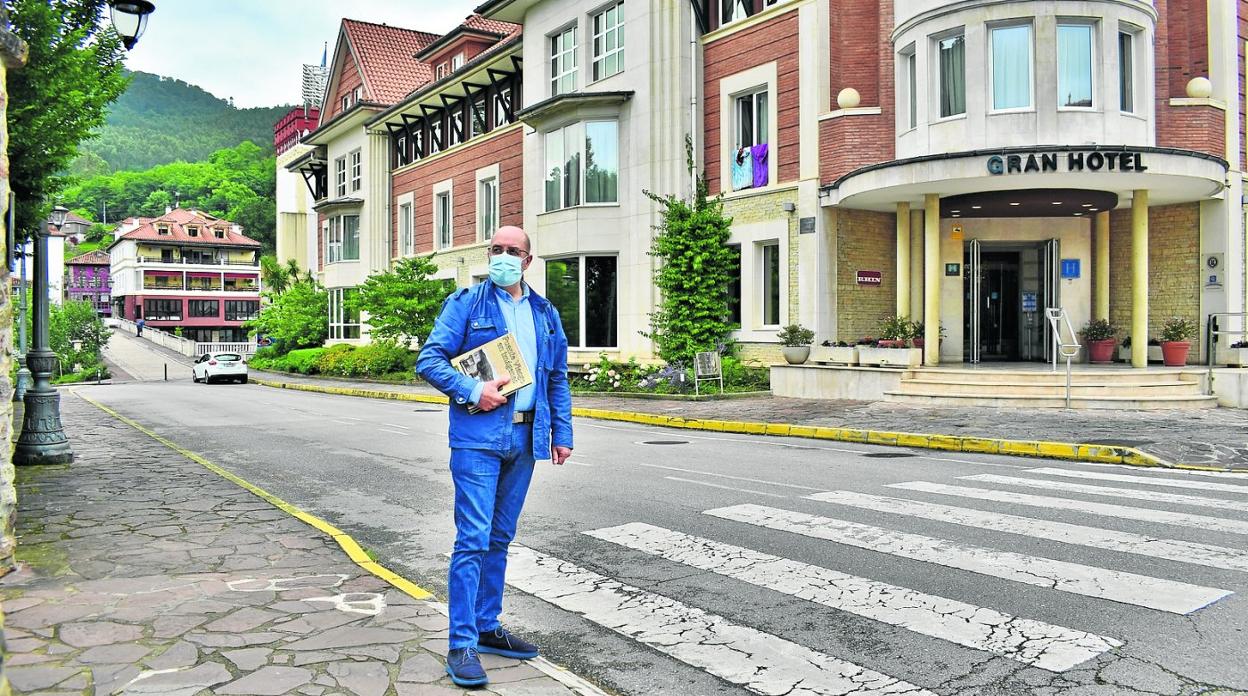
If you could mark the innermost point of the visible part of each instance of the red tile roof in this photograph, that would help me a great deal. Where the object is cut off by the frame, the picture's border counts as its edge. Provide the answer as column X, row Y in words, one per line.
column 75, row 217
column 493, row 26
column 387, row 58
column 98, row 257
column 178, row 219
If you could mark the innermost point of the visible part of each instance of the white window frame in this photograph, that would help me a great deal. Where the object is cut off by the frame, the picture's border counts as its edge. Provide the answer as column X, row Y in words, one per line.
column 751, row 237
column 740, row 11
column 909, row 77
column 443, row 221
column 581, row 268
column 346, row 102
column 749, row 81
column 562, row 60
column 336, row 238
column 1135, row 34
column 752, row 95
column 357, row 168
column 457, row 61
column 338, row 324
column 400, row 146
column 618, row 29
column 340, row 176
column 1093, row 62
column 581, row 202
column 1031, row 69
column 406, row 225
column 487, row 217
column 939, row 93
column 192, row 230
column 760, row 251
column 443, row 69
column 500, row 110
column 483, row 127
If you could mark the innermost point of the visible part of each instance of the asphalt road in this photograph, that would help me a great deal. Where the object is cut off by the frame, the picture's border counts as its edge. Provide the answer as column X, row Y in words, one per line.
column 734, row 565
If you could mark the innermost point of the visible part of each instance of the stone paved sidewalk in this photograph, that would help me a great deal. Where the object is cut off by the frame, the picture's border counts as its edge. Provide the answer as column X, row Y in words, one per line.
column 145, row 573
column 1213, row 437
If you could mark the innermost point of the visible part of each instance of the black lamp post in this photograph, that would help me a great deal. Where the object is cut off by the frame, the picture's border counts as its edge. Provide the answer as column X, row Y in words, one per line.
column 130, row 19
column 43, row 439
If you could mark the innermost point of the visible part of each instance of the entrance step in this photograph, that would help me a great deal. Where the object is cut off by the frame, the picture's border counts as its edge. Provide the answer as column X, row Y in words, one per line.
column 1175, row 388
column 1140, row 403
column 1077, row 388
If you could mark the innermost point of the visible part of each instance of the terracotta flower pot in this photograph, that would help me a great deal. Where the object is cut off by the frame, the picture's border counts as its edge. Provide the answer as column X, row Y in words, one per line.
column 1101, row 351
column 1174, row 353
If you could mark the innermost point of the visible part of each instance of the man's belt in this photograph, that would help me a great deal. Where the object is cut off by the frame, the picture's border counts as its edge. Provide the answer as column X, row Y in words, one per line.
column 522, row 417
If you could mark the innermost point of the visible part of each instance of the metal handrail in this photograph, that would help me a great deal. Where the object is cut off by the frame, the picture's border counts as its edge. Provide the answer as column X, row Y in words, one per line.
column 1057, row 318
column 1211, row 340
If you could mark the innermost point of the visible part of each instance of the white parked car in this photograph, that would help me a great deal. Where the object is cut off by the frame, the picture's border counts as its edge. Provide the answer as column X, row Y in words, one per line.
column 216, row 366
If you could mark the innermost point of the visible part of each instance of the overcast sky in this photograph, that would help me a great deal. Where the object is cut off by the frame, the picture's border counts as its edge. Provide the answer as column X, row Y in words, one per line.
column 253, row 50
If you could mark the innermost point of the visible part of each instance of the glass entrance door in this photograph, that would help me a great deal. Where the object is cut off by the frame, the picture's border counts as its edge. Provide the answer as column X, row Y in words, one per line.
column 1006, row 287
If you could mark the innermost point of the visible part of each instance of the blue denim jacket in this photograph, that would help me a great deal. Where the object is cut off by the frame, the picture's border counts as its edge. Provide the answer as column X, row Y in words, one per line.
column 469, row 318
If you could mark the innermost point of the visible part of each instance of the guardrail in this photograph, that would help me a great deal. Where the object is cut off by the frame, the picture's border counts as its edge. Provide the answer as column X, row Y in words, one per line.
column 1057, row 319
column 161, row 338
column 1212, row 331
column 242, row 348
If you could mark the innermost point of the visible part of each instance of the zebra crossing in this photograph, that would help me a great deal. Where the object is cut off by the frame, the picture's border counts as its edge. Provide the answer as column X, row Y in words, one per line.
column 760, row 662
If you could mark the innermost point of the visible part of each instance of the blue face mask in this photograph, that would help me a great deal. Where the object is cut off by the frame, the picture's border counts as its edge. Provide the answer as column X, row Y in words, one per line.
column 505, row 270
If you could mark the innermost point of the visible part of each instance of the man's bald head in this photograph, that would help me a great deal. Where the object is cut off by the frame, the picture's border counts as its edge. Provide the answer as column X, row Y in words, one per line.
column 510, row 235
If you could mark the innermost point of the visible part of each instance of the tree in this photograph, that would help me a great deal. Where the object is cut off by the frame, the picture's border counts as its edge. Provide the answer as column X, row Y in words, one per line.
column 72, row 322
column 277, row 276
column 403, row 303
column 695, row 268
column 297, row 318
column 59, row 97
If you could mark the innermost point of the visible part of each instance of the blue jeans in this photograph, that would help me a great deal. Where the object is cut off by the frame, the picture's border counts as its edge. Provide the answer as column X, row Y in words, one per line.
column 489, row 491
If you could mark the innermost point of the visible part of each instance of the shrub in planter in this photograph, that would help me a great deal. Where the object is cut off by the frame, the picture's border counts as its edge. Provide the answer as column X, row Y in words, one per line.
column 1236, row 355
column 1098, row 335
column 896, row 332
column 841, row 352
column 796, row 340
column 1176, row 334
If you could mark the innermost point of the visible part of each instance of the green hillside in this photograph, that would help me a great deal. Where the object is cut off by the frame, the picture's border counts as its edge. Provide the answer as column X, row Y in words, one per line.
column 160, row 120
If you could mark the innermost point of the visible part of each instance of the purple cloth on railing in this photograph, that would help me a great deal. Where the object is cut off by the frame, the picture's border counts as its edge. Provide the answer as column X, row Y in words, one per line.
column 758, row 154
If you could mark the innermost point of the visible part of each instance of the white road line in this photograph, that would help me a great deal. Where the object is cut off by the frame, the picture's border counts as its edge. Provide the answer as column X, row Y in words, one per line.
column 1232, row 475
column 1126, row 512
column 576, row 463
column 1110, row 492
column 1114, row 585
column 354, row 419
column 760, row 662
column 396, row 425
column 1037, row 643
column 1144, row 480
column 726, row 488
column 735, row 478
column 393, row 432
column 1061, row 532
column 1015, row 467
column 343, row 422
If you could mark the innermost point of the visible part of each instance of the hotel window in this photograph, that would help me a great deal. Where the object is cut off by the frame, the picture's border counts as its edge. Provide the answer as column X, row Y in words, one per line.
column 218, row 232
column 501, row 99
column 342, row 241
column 487, row 208
column 203, row 308
column 443, row 237
column 771, row 283
column 952, row 75
column 584, row 290
column 751, row 115
column 563, row 61
column 340, row 176
column 912, row 87
column 192, row 231
column 733, row 10
column 162, row 230
column 1126, row 71
column 609, row 41
column 1011, row 67
column 356, row 172
column 407, row 243
column 344, row 318
column 1074, row 65
column 241, row 310
column 457, row 62
column 592, row 143
column 162, row 310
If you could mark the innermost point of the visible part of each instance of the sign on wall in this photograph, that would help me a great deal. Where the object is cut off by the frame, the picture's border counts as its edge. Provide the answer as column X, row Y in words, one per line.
column 1213, row 270
column 953, row 269
column 1029, row 302
column 1070, row 269
column 1043, row 162
column 870, row 278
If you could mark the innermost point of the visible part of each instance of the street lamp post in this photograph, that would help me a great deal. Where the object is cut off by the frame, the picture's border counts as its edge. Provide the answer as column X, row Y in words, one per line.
column 43, row 439
column 23, row 373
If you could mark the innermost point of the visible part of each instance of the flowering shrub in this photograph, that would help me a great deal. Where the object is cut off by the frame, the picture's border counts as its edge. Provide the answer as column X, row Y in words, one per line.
column 607, row 376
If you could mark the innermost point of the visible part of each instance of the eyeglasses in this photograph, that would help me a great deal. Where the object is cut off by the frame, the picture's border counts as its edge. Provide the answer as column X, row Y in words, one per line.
column 510, row 251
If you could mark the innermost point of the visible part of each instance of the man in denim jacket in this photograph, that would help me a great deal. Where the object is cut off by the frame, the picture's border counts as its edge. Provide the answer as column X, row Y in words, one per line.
column 493, row 451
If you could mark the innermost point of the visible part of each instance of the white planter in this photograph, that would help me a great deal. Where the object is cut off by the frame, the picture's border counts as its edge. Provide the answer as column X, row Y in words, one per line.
column 890, row 357
column 795, row 355
column 1233, row 357
column 1154, row 354
column 844, row 355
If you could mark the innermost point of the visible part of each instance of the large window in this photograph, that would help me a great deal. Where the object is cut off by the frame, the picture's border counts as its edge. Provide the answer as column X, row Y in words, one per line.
column 241, row 310
column 733, row 10
column 340, row 176
column 203, row 308
column 952, row 76
column 751, row 119
column 595, row 144
column 443, row 231
column 455, row 126
column 1011, row 67
column 609, row 41
column 342, row 239
column 771, row 283
column 501, row 99
column 1126, row 71
column 584, row 290
column 563, row 61
column 1074, row 65
column 407, row 242
column 912, row 88
column 162, row 310
column 479, row 124
column 344, row 320
column 487, row 208
column 356, row 170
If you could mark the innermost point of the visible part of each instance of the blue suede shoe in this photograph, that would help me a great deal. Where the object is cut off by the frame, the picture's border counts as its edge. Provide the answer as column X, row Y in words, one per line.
column 464, row 666
column 501, row 642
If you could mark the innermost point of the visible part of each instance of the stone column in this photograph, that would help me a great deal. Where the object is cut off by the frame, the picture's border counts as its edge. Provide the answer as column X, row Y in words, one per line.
column 1100, row 293
column 903, row 259
column 916, row 263
column 1139, row 278
column 931, row 279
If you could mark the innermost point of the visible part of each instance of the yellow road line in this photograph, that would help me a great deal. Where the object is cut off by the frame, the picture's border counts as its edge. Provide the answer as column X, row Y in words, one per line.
column 1112, row 454
column 353, row 550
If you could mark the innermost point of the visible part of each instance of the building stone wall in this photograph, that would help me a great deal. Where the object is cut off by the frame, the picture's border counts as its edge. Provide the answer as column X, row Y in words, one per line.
column 754, row 345
column 1173, row 268
column 865, row 240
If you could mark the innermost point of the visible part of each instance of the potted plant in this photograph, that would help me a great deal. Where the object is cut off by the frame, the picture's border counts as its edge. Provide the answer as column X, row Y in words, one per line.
column 1236, row 355
column 896, row 332
column 1176, row 334
column 1154, row 350
column 1098, row 336
column 920, row 332
column 842, row 353
column 892, row 349
column 796, row 340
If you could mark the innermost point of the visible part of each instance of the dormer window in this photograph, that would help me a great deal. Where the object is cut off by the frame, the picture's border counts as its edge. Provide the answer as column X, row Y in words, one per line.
column 162, row 230
column 457, row 62
column 346, row 102
column 443, row 69
column 192, row 231
column 218, row 232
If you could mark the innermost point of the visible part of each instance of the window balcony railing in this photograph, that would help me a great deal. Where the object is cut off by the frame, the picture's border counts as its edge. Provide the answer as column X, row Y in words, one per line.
column 242, row 288
column 197, row 261
column 149, row 285
column 204, row 287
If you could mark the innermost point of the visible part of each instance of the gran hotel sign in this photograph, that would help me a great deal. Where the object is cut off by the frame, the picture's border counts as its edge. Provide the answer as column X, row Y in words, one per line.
column 1043, row 162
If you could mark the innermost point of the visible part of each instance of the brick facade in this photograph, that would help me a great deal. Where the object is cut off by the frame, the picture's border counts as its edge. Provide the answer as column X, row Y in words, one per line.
column 1173, row 268
column 348, row 79
column 774, row 40
column 862, row 58
column 460, row 165
column 762, row 208
column 865, row 240
column 1181, row 48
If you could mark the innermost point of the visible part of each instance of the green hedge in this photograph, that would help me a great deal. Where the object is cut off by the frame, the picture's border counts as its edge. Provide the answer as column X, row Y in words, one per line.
column 381, row 359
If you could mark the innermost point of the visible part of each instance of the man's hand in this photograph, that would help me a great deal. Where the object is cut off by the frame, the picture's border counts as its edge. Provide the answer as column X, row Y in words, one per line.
column 559, row 454
column 490, row 398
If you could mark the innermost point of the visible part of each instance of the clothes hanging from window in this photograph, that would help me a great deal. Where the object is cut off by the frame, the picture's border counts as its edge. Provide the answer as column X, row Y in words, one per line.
column 742, row 169
column 758, row 154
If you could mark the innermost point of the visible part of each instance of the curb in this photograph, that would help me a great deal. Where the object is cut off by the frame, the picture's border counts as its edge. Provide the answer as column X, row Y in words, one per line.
column 1070, row 451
